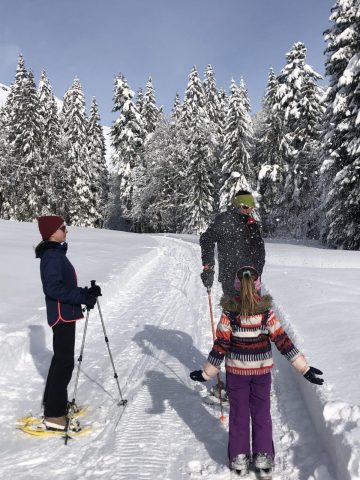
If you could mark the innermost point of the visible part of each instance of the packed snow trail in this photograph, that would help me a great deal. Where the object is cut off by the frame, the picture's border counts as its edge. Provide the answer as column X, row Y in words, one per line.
column 157, row 320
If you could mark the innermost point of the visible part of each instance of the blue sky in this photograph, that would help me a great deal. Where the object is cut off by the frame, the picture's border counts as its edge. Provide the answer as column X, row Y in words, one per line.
column 96, row 39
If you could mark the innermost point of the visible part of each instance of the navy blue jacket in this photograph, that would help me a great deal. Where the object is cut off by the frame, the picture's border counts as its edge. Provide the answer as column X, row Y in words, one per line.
column 63, row 297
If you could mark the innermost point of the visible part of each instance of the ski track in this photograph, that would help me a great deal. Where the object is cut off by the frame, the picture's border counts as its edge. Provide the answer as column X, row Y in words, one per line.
column 157, row 320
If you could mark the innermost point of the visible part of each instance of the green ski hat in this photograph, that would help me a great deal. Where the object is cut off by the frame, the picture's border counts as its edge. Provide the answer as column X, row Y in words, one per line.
column 246, row 199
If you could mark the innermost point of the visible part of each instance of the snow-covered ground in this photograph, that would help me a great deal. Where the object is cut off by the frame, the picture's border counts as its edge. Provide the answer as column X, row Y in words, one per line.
column 156, row 314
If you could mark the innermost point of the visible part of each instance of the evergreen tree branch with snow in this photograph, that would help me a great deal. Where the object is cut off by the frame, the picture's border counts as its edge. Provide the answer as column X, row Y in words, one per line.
column 79, row 209
column 127, row 136
column 340, row 169
column 238, row 138
column 199, row 204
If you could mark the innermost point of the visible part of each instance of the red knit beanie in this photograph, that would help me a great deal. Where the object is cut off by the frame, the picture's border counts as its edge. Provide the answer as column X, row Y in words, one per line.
column 49, row 224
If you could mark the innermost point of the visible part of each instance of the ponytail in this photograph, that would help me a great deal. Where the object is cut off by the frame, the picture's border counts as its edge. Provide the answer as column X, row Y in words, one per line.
column 249, row 296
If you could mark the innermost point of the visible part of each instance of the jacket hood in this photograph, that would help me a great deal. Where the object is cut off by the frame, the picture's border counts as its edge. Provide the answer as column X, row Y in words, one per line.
column 233, row 304
column 46, row 245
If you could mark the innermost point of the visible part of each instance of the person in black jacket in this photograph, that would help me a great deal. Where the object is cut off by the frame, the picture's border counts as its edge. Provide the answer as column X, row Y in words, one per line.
column 238, row 240
column 63, row 304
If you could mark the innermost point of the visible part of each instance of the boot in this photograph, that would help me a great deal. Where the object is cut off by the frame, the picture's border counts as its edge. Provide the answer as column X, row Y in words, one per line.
column 59, row 423
column 241, row 464
column 264, row 463
column 55, row 423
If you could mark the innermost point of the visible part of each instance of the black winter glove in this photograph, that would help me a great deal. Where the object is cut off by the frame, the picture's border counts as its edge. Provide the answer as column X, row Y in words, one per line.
column 95, row 291
column 207, row 278
column 311, row 376
column 196, row 375
column 90, row 302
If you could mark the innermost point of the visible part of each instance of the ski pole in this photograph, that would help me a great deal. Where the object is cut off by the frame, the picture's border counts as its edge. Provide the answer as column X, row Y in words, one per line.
column 72, row 403
column 122, row 401
column 222, row 417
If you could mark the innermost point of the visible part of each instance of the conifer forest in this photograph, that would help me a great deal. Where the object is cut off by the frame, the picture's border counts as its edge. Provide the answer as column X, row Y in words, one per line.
column 172, row 172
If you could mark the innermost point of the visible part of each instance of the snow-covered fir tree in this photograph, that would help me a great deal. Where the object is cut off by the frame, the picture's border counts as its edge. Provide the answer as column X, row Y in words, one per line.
column 199, row 204
column 287, row 148
column 150, row 112
column 52, row 154
column 140, row 178
column 177, row 108
column 24, row 137
column 5, row 168
column 215, row 111
column 238, row 138
column 78, row 206
column 99, row 174
column 301, row 104
column 194, row 104
column 127, row 136
column 139, row 103
column 268, row 155
column 46, row 166
column 224, row 104
column 340, row 170
column 212, row 98
column 304, row 178
column 161, row 113
column 160, row 202
column 167, row 184
column 50, row 117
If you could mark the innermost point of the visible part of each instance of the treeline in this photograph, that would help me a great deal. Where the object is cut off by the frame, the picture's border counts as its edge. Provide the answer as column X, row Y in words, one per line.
column 172, row 173
column 51, row 160
column 300, row 153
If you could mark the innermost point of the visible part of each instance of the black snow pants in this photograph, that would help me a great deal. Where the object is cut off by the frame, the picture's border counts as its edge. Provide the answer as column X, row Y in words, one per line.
column 62, row 365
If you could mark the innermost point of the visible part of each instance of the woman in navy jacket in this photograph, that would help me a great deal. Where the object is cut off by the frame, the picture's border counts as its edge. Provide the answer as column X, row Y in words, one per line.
column 63, row 304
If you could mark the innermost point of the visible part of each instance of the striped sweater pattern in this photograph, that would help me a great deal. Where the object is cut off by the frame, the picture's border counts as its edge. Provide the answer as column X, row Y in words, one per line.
column 245, row 342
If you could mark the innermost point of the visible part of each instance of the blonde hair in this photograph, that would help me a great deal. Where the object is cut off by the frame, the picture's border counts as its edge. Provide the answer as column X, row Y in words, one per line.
column 249, row 295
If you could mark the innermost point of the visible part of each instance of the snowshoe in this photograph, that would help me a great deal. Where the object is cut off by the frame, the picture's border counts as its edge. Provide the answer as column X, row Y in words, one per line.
column 50, row 429
column 241, row 464
column 44, row 432
column 80, row 411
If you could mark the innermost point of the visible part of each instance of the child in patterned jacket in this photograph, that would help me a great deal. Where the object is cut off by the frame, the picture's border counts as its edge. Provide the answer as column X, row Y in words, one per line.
column 244, row 334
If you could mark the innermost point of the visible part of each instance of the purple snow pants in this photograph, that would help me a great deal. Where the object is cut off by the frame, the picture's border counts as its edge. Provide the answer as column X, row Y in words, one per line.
column 249, row 398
